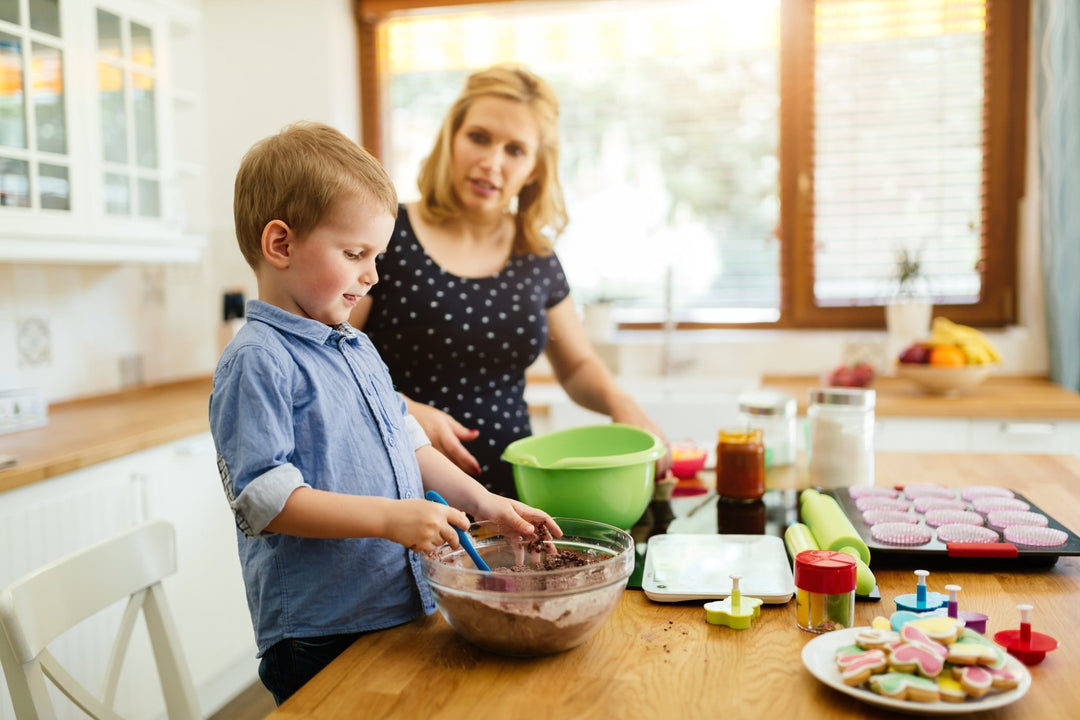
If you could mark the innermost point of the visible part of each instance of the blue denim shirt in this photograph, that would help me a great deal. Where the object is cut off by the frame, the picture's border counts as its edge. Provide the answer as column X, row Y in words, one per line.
column 298, row 403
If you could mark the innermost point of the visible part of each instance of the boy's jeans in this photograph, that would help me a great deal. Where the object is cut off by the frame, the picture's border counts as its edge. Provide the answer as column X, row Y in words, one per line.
column 287, row 665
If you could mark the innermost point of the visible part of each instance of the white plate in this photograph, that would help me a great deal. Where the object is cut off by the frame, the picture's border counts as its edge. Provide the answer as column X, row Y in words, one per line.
column 686, row 566
column 819, row 657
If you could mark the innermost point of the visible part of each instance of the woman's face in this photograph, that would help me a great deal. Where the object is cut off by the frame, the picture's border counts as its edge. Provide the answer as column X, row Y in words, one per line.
column 494, row 153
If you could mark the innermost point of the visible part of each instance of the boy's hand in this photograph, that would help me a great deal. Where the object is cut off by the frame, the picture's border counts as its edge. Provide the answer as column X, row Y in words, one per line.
column 422, row 525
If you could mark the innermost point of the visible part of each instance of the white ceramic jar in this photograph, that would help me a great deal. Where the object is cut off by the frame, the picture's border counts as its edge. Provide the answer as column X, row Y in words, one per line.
column 840, row 437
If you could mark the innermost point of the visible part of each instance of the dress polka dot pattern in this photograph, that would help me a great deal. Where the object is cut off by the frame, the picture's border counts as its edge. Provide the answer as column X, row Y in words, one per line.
column 463, row 344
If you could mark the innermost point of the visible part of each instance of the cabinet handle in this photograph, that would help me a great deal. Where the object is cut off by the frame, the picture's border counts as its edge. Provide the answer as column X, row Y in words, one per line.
column 1029, row 429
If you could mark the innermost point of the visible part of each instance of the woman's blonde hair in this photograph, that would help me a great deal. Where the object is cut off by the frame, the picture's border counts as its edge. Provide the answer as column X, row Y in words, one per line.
column 296, row 176
column 541, row 210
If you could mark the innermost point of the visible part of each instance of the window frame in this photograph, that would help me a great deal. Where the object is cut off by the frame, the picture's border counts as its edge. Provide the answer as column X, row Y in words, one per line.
column 1004, row 138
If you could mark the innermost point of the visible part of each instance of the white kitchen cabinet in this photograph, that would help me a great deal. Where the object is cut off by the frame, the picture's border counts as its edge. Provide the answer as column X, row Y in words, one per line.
column 179, row 482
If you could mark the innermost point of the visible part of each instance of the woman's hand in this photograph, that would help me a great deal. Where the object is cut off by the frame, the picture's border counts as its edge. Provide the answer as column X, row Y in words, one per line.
column 446, row 435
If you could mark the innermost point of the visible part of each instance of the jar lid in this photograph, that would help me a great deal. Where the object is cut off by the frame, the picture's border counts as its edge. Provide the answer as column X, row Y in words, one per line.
column 853, row 397
column 767, row 402
column 828, row 572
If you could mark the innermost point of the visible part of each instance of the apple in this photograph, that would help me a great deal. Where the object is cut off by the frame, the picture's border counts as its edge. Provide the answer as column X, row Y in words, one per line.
column 858, row 375
column 863, row 374
column 916, row 353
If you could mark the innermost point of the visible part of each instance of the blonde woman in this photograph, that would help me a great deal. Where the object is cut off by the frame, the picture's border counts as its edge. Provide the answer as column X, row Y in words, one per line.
column 471, row 291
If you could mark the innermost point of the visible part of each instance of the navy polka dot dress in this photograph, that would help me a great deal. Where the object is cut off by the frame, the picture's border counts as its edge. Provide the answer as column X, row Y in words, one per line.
column 463, row 344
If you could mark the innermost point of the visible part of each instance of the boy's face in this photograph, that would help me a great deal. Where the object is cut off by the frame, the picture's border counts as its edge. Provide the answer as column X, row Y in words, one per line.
column 328, row 271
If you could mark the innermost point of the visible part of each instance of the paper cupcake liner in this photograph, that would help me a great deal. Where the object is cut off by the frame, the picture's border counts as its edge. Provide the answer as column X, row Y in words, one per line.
column 966, row 534
column 894, row 533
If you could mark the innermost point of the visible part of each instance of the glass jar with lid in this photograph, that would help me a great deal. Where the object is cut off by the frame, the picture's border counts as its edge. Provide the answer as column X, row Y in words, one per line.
column 774, row 414
column 840, row 437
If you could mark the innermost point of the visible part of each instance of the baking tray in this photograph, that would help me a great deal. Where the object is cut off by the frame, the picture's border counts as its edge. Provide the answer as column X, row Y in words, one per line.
column 959, row 553
column 686, row 566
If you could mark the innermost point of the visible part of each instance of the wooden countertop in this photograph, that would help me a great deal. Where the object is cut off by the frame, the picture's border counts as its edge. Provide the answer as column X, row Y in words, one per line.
column 662, row 660
column 84, row 432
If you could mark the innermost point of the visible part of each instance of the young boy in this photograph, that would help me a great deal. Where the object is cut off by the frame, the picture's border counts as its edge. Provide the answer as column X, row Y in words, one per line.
column 323, row 467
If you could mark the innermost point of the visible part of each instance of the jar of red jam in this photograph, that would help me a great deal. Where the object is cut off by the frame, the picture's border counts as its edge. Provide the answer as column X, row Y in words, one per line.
column 740, row 465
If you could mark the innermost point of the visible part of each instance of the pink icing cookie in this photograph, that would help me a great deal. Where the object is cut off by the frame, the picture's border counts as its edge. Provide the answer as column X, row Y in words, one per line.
column 1005, row 678
column 917, row 653
column 975, row 679
column 857, row 667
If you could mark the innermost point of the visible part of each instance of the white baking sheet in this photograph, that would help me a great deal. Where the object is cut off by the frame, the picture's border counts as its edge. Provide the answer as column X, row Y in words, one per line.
column 699, row 567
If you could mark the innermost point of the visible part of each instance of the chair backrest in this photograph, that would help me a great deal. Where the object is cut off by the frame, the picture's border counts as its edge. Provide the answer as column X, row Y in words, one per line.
column 44, row 604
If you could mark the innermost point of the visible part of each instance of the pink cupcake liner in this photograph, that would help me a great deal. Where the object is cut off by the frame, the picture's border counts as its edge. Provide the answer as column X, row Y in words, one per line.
column 923, row 504
column 861, row 491
column 1009, row 518
column 991, row 503
column 966, row 534
column 882, row 503
column 894, row 533
column 952, row 517
column 873, row 517
column 970, row 493
column 923, row 490
column 1035, row 536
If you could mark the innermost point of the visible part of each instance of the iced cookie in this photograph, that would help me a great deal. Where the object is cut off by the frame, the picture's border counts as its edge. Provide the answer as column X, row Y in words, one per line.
column 969, row 653
column 975, row 679
column 905, row 686
column 1004, row 678
column 915, row 657
column 944, row 629
column 950, row 688
column 869, row 638
column 857, row 667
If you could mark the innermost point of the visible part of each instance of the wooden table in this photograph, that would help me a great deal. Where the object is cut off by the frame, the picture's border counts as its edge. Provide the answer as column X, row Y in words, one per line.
column 660, row 660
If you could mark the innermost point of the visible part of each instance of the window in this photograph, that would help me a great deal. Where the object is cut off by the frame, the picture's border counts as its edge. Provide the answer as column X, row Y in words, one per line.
column 752, row 164
column 34, row 161
column 88, row 143
column 126, row 85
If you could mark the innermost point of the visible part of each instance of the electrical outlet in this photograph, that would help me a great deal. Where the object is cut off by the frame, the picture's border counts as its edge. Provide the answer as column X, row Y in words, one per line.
column 22, row 409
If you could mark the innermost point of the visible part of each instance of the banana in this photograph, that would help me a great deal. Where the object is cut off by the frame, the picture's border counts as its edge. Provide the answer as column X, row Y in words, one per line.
column 977, row 349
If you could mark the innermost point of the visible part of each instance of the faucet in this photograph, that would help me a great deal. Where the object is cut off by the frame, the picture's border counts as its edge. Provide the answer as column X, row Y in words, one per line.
column 668, row 364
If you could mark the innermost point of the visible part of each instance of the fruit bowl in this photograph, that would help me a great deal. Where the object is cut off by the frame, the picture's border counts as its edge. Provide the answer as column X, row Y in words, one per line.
column 944, row 380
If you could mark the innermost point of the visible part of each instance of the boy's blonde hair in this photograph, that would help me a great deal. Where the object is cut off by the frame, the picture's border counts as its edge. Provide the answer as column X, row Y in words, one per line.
column 541, row 211
column 296, row 176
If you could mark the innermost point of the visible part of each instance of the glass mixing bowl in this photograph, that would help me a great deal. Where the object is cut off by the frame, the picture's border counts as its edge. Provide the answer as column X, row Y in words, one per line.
column 531, row 612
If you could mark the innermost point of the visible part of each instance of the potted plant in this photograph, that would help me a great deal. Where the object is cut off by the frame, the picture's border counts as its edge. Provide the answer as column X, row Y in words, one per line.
column 908, row 312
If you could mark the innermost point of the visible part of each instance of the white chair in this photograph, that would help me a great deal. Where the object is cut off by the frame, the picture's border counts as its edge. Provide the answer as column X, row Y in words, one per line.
column 41, row 606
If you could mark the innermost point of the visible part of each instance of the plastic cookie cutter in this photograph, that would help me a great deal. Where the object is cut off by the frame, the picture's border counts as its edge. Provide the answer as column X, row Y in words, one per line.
column 921, row 600
column 735, row 611
column 974, row 620
column 1026, row 645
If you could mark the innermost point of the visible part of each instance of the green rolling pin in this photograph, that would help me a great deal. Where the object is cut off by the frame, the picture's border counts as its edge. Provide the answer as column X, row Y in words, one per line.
column 799, row 537
column 831, row 527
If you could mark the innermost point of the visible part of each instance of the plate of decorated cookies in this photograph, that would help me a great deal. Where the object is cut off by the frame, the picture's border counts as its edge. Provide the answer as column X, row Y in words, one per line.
column 924, row 667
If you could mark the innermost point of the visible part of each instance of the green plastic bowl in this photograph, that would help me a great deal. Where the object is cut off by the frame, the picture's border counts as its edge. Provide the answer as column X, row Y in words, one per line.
column 604, row 473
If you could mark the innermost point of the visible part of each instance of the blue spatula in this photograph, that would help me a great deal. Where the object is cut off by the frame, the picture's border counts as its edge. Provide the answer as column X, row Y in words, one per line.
column 466, row 541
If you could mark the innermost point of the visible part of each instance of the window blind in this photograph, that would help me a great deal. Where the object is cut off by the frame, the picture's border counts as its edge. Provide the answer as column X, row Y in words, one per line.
column 898, row 148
